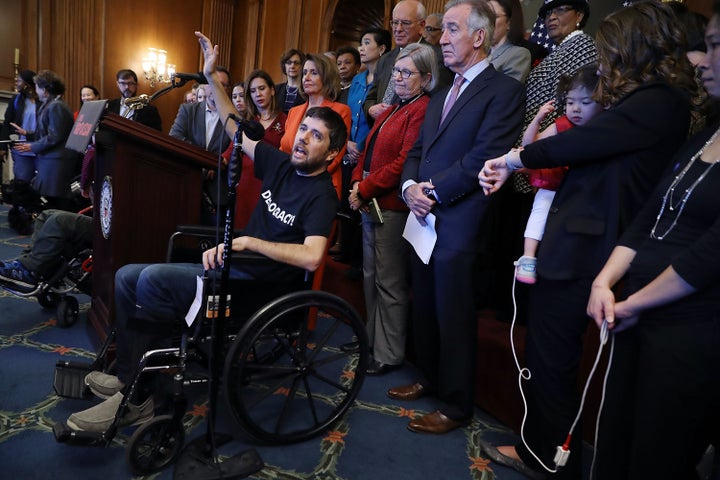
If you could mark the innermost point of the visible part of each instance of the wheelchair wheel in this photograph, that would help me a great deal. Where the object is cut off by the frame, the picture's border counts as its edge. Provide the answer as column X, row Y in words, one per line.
column 68, row 311
column 48, row 299
column 155, row 445
column 286, row 378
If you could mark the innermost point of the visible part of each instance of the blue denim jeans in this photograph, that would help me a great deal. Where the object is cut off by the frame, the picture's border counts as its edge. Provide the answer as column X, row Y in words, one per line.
column 160, row 293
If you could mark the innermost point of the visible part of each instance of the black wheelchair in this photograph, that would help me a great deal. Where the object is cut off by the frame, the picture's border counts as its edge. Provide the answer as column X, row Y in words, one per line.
column 54, row 290
column 276, row 358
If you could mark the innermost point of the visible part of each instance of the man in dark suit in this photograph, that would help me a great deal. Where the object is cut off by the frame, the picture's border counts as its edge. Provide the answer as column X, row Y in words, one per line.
column 127, row 84
column 408, row 25
column 478, row 118
column 200, row 124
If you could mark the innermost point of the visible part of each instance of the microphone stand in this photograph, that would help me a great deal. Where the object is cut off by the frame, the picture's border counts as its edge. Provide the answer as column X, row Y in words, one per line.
column 199, row 459
column 142, row 101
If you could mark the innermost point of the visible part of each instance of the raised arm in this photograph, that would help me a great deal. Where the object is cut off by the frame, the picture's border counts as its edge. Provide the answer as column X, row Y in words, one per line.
column 222, row 101
column 532, row 132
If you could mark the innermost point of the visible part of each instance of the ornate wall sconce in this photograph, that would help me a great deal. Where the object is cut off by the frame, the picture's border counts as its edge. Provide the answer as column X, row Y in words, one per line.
column 156, row 68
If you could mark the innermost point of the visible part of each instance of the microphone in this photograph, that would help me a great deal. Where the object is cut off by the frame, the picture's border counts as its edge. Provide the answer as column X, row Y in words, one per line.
column 134, row 102
column 197, row 77
column 252, row 129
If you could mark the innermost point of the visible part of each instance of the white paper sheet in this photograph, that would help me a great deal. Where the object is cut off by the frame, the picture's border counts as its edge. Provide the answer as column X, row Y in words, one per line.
column 196, row 304
column 421, row 238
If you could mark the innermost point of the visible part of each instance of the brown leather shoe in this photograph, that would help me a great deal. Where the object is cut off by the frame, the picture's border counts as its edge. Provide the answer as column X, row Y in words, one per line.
column 435, row 422
column 407, row 392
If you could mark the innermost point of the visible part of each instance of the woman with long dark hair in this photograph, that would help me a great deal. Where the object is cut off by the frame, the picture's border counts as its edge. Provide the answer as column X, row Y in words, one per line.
column 615, row 161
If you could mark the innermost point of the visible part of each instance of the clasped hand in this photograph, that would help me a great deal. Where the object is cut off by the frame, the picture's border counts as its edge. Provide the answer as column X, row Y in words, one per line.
column 418, row 202
column 493, row 175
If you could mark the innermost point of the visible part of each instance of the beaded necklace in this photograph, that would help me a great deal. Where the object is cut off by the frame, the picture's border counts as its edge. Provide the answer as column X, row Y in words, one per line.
column 667, row 201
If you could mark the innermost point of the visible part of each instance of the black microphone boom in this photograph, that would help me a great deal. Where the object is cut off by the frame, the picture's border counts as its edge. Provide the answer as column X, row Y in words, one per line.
column 252, row 129
column 197, row 77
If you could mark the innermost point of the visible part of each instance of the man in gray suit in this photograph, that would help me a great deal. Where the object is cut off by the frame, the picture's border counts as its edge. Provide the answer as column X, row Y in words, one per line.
column 200, row 124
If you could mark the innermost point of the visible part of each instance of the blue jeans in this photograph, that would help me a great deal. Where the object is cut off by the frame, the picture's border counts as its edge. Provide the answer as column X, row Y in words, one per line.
column 159, row 293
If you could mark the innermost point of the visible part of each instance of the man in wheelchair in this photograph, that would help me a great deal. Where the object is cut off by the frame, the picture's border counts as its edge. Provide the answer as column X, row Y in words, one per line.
column 290, row 225
column 56, row 234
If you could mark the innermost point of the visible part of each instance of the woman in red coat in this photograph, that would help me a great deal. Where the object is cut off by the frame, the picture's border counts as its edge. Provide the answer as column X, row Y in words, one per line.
column 375, row 192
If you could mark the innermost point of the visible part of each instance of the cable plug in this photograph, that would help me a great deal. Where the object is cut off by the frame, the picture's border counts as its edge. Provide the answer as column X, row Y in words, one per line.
column 561, row 456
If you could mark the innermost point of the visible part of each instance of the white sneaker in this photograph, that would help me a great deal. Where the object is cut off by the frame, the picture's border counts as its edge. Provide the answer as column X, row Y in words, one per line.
column 525, row 269
column 101, row 416
column 103, row 385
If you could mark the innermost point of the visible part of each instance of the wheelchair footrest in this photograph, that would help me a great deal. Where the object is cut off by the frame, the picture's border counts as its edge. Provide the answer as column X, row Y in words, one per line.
column 69, row 379
column 65, row 434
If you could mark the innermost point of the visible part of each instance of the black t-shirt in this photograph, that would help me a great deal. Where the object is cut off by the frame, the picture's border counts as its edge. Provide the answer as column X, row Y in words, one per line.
column 291, row 207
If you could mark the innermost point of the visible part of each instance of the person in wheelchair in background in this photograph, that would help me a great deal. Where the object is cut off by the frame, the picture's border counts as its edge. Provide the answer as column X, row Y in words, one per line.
column 290, row 225
column 57, row 234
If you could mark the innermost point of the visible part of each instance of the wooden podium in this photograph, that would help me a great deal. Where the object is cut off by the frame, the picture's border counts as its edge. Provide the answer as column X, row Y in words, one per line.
column 146, row 183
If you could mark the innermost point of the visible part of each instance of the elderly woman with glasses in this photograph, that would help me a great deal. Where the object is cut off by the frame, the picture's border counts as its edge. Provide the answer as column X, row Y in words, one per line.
column 375, row 192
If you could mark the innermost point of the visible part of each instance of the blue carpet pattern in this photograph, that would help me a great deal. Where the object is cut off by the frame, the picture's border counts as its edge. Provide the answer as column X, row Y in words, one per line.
column 371, row 442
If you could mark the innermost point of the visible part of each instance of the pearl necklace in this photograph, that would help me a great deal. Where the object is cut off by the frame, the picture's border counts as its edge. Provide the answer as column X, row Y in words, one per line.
column 667, row 201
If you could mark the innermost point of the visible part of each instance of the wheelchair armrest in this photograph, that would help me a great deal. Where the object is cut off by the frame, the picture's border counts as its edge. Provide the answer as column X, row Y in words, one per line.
column 248, row 257
column 201, row 230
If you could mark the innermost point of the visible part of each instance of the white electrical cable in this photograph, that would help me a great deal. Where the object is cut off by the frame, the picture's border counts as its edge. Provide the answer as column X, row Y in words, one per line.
column 525, row 374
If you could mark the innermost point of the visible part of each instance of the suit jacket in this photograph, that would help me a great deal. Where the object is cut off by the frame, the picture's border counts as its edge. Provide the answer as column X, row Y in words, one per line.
column 13, row 113
column 56, row 165
column 615, row 161
column 148, row 115
column 511, row 60
column 189, row 126
column 281, row 93
column 484, row 123
column 392, row 143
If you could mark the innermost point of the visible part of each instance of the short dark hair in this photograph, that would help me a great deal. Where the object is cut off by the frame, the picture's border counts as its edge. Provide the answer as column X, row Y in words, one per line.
column 334, row 123
column 584, row 77
column 225, row 71
column 351, row 50
column 381, row 36
column 125, row 73
column 91, row 87
column 287, row 55
column 50, row 81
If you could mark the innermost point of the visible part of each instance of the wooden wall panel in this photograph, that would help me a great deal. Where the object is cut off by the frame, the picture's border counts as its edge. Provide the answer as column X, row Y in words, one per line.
column 11, row 37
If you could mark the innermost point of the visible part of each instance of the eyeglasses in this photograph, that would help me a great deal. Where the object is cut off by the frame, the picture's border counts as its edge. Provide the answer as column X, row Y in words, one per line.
column 404, row 24
column 292, row 62
column 558, row 11
column 430, row 29
column 126, row 84
column 404, row 73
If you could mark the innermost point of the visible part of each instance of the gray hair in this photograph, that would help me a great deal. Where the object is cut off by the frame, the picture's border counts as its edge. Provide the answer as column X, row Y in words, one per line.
column 423, row 56
column 482, row 17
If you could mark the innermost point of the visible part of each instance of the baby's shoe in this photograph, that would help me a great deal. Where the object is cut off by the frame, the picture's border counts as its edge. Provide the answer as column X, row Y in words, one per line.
column 525, row 269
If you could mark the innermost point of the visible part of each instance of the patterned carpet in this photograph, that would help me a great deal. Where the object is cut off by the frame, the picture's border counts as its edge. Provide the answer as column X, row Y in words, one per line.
column 370, row 442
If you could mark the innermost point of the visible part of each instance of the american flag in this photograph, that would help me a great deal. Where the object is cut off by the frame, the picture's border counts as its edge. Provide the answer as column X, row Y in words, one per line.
column 539, row 35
